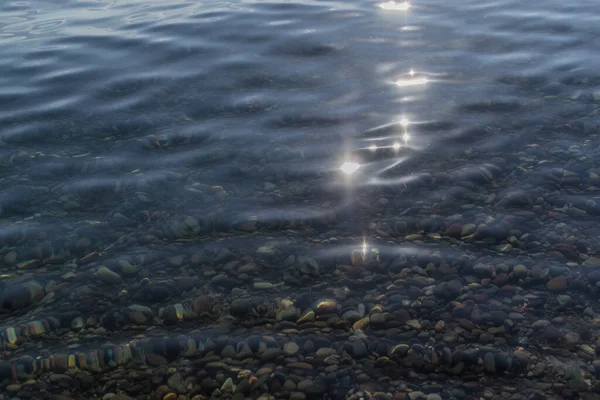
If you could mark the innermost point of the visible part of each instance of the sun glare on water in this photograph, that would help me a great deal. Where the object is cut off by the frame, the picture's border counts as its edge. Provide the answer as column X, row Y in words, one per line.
column 392, row 5
column 349, row 168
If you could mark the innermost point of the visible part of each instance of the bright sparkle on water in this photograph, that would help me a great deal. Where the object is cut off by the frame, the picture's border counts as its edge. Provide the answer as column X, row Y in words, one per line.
column 396, row 146
column 406, row 136
column 373, row 147
column 404, row 122
column 349, row 167
column 411, row 82
column 392, row 5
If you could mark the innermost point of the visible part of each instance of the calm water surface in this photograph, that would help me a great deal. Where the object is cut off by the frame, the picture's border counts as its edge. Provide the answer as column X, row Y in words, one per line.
column 230, row 186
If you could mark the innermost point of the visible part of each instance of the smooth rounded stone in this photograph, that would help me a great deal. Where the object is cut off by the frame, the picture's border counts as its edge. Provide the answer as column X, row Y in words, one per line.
column 359, row 350
column 304, row 384
column 173, row 313
column 414, row 324
column 155, row 359
column 20, row 296
column 240, row 307
column 483, row 271
column 228, row 352
column 587, row 349
column 289, row 385
column 467, row 229
column 520, row 271
column 450, row 336
column 433, row 396
column 13, row 388
column 108, row 276
column 563, row 299
column 175, row 381
column 454, row 231
column 138, row 314
column 297, row 396
column 300, row 365
column 557, row 284
column 377, row 319
column 515, row 316
column 127, row 268
column 35, row 290
column 416, row 395
column 572, row 338
column 77, row 323
column 540, row 323
column 10, row 258
column 203, row 305
column 351, row 316
column 290, row 348
column 270, row 354
column 263, row 285
column 551, row 333
column 325, row 352
column 249, row 268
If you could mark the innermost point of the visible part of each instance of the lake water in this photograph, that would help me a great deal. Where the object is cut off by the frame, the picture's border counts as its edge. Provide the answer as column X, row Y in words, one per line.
column 300, row 199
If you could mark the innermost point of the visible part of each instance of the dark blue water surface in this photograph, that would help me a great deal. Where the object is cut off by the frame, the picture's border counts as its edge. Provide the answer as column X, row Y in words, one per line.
column 300, row 199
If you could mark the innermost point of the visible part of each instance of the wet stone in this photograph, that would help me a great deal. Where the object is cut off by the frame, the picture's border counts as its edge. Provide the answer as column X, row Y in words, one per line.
column 572, row 338
column 551, row 333
column 359, row 349
column 108, row 276
column 557, row 284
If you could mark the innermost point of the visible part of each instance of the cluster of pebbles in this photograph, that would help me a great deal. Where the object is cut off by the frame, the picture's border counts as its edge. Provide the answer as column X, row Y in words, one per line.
column 478, row 277
column 373, row 322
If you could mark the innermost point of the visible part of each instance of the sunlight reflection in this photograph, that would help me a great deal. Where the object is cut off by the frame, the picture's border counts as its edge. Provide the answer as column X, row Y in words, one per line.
column 411, row 82
column 373, row 147
column 406, row 137
column 396, row 146
column 394, row 164
column 392, row 5
column 366, row 255
column 349, row 167
column 404, row 122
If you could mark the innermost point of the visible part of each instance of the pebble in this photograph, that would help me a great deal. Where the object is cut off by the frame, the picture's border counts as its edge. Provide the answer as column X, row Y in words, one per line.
column 263, row 285
column 359, row 349
column 520, row 271
column 557, row 284
column 270, row 354
column 572, row 338
column 290, row 348
column 325, row 352
column 13, row 388
column 433, row 396
column 300, row 365
column 414, row 324
column 108, row 276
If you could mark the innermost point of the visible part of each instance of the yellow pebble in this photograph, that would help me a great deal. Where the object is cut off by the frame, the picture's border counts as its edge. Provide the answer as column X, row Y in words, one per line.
column 13, row 388
column 170, row 396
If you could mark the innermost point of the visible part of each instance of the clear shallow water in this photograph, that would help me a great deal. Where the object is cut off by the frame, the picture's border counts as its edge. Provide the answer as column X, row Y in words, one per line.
column 197, row 149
